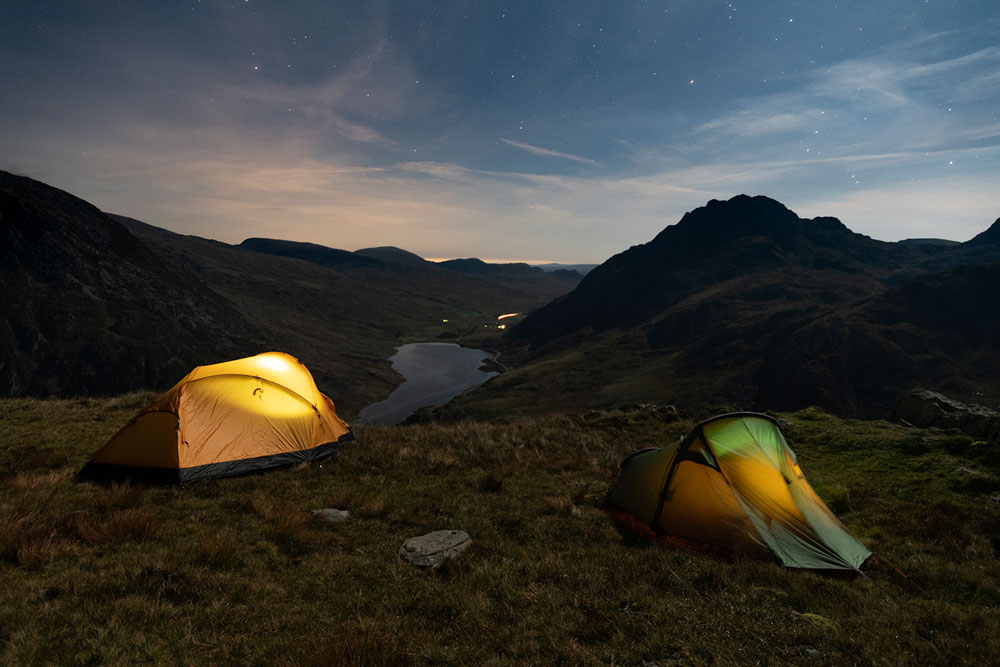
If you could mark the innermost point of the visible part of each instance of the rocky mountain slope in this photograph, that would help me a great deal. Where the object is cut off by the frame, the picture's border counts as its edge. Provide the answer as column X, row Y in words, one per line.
column 87, row 308
column 743, row 302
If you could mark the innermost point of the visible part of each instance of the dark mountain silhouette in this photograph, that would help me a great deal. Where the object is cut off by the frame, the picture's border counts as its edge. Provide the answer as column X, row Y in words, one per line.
column 390, row 253
column 317, row 254
column 382, row 263
column 87, row 308
column 743, row 302
column 930, row 242
column 991, row 237
column 582, row 269
column 509, row 271
column 711, row 245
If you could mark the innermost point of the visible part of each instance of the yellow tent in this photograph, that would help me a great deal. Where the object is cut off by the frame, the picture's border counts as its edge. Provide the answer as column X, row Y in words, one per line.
column 733, row 485
column 225, row 419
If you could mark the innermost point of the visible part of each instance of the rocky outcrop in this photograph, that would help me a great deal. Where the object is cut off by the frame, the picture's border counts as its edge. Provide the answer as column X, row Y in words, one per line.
column 86, row 308
column 926, row 408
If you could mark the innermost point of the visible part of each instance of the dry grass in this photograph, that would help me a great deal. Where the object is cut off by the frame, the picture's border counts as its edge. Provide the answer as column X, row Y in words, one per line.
column 25, row 540
column 236, row 570
column 116, row 527
column 286, row 522
column 219, row 548
column 362, row 643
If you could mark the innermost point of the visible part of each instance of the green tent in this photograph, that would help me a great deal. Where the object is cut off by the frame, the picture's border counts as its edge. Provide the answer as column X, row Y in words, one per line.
column 733, row 485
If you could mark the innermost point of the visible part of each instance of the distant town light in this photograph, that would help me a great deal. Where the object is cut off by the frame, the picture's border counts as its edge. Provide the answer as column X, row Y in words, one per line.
column 444, row 320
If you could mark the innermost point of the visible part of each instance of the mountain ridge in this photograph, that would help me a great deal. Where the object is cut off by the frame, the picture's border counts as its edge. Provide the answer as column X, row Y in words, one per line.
column 742, row 302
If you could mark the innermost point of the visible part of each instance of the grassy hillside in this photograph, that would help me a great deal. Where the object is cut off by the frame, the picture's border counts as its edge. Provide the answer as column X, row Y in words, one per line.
column 235, row 570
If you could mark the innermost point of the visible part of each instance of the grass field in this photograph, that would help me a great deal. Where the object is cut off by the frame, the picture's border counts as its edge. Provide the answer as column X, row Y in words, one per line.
column 237, row 569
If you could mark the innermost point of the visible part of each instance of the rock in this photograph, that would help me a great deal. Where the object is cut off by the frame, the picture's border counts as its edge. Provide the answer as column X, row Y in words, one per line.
column 434, row 548
column 925, row 408
column 331, row 515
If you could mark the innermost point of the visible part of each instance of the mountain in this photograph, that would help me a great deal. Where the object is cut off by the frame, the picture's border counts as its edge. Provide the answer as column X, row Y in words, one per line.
column 716, row 243
column 582, row 269
column 517, row 272
column 991, row 237
column 390, row 253
column 333, row 258
column 435, row 280
column 744, row 303
column 931, row 242
column 94, row 303
column 86, row 308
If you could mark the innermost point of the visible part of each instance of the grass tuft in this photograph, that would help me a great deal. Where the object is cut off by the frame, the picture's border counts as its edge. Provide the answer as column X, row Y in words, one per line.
column 26, row 541
column 221, row 549
column 116, row 527
column 29, row 481
column 117, row 496
column 837, row 497
column 286, row 522
column 490, row 482
column 361, row 644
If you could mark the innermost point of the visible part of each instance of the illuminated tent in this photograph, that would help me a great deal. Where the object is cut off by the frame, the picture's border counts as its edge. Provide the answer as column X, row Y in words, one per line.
column 225, row 419
column 733, row 485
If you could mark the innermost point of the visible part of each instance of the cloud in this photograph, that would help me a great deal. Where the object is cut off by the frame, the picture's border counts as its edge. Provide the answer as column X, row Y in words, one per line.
column 544, row 152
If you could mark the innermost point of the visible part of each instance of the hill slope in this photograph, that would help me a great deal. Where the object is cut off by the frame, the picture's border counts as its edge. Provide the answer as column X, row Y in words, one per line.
column 393, row 254
column 87, row 308
column 743, row 302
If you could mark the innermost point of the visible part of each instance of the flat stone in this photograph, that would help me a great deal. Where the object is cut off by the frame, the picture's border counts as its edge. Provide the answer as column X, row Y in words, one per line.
column 331, row 515
column 434, row 548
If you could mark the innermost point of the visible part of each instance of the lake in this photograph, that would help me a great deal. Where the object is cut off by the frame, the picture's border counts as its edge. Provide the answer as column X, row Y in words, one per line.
column 435, row 373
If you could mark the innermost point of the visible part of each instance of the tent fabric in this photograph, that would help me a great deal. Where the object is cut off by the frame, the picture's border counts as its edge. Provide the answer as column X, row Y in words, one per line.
column 225, row 419
column 734, row 484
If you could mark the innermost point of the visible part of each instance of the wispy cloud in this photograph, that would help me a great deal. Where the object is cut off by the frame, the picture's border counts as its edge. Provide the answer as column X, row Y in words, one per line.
column 545, row 152
column 901, row 105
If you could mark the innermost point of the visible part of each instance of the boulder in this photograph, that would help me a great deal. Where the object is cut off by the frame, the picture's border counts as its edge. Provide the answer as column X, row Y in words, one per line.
column 434, row 548
column 925, row 408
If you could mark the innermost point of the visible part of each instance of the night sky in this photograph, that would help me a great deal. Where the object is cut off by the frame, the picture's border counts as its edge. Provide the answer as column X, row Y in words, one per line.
column 539, row 131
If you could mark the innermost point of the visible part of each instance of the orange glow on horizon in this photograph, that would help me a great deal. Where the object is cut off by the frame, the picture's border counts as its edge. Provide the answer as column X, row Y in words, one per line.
column 503, row 317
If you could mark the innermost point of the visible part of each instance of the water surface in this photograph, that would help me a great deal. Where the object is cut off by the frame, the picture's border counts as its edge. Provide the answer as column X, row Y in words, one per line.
column 435, row 373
